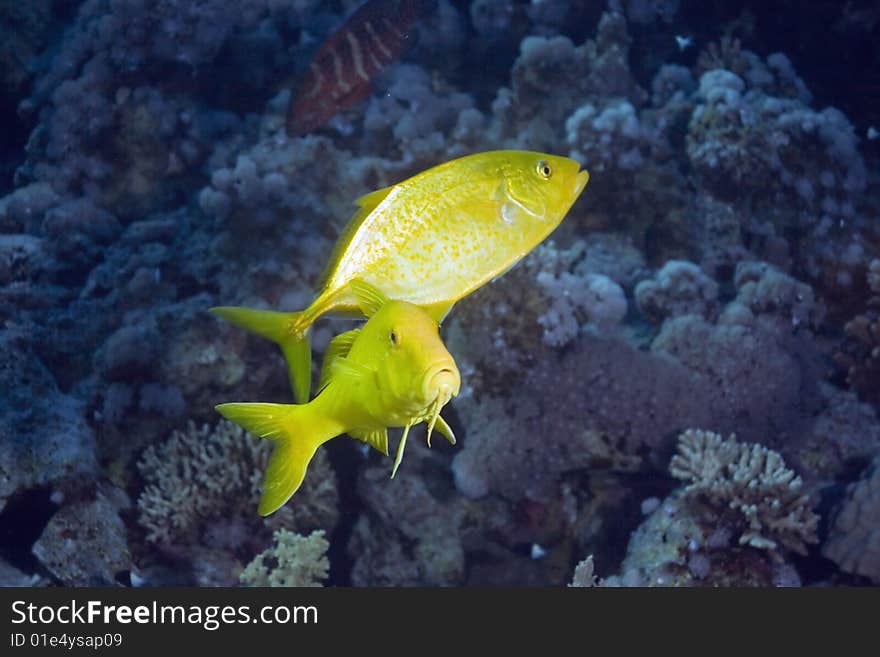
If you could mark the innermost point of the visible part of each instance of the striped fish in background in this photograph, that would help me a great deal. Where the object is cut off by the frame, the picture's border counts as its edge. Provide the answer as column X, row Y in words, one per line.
column 341, row 72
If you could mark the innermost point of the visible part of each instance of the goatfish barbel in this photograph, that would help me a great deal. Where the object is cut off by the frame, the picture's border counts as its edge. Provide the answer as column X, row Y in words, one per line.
column 393, row 372
column 430, row 240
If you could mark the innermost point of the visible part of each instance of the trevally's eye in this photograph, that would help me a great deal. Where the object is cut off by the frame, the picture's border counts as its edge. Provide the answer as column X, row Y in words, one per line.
column 544, row 169
column 394, row 338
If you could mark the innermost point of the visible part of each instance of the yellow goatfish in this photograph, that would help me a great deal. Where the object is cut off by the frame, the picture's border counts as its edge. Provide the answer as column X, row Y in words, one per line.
column 395, row 371
column 430, row 240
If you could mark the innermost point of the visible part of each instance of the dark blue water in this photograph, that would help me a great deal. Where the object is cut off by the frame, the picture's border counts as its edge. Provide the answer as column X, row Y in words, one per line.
column 682, row 381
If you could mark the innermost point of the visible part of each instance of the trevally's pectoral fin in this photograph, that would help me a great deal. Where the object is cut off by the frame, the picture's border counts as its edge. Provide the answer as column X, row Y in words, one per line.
column 439, row 310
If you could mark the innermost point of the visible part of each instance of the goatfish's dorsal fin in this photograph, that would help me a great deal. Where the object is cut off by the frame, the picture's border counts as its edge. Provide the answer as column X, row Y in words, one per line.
column 369, row 298
column 338, row 348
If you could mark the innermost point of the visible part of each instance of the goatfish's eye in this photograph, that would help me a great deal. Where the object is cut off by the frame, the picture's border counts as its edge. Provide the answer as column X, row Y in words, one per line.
column 544, row 169
column 394, row 338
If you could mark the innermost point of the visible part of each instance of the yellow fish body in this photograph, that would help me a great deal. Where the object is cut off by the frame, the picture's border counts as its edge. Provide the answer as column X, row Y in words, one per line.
column 393, row 372
column 431, row 240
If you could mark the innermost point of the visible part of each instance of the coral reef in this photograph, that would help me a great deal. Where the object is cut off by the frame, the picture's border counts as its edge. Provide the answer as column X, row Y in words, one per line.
column 724, row 254
column 10, row 576
column 860, row 354
column 680, row 288
column 677, row 546
column 583, row 574
column 751, row 481
column 202, row 487
column 731, row 525
column 84, row 543
column 419, row 537
column 46, row 441
column 854, row 538
column 293, row 560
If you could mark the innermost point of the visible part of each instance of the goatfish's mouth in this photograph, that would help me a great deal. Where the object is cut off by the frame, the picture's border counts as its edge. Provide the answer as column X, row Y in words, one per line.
column 442, row 383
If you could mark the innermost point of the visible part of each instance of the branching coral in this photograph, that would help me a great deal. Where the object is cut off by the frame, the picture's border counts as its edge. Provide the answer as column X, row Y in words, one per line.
column 732, row 524
column 583, row 574
column 208, row 476
column 293, row 560
column 750, row 486
column 684, row 544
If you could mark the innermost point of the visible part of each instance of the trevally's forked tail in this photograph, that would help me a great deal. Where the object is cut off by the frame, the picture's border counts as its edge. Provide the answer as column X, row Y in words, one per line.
column 296, row 433
column 281, row 328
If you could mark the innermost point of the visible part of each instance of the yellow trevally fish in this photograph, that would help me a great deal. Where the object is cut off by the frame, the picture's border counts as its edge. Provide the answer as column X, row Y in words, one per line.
column 395, row 371
column 431, row 240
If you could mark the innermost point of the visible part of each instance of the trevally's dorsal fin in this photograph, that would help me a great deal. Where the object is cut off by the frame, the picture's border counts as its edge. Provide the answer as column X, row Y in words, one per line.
column 338, row 348
column 366, row 204
column 377, row 439
column 369, row 298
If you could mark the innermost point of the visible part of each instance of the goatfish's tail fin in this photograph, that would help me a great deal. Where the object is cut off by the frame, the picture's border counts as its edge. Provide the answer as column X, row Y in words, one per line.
column 281, row 328
column 295, row 433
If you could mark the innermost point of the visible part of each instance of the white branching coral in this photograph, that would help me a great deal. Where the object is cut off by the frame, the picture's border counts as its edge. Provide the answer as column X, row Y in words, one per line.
column 293, row 560
column 204, row 473
column 583, row 574
column 753, row 483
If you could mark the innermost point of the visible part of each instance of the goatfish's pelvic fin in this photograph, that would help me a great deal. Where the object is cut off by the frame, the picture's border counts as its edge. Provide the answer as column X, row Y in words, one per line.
column 295, row 431
column 281, row 328
column 378, row 439
column 400, row 447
